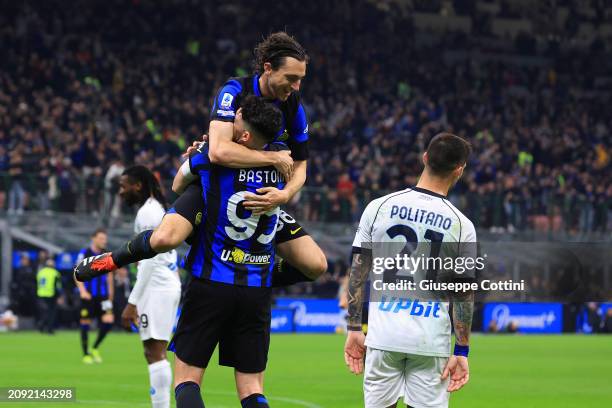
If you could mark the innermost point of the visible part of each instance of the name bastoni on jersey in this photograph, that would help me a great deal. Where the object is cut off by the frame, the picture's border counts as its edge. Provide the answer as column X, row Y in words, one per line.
column 430, row 285
column 260, row 176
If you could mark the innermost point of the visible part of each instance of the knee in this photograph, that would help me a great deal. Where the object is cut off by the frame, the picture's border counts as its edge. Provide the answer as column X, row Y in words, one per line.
column 152, row 356
column 318, row 265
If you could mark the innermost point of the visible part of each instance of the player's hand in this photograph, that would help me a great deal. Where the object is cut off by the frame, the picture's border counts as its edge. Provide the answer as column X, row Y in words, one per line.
column 85, row 295
column 354, row 351
column 266, row 200
column 195, row 145
column 458, row 369
column 284, row 163
column 129, row 316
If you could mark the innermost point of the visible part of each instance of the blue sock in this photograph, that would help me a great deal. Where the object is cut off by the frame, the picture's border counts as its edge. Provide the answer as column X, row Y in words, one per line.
column 255, row 401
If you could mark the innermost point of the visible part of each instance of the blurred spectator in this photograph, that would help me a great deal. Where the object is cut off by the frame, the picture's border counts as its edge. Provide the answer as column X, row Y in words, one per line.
column 49, row 283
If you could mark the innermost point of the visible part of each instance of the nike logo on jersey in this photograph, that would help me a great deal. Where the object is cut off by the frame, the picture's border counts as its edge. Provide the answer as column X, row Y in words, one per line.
column 293, row 232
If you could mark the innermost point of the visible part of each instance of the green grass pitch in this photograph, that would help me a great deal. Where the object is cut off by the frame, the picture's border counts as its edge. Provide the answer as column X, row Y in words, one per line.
column 308, row 371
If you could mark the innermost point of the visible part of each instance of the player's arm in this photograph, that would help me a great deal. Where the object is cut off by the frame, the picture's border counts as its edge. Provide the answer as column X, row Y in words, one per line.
column 354, row 348
column 183, row 178
column 223, row 151
column 463, row 312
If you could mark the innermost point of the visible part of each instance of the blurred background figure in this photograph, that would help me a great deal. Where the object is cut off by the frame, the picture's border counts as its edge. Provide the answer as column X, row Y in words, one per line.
column 49, row 288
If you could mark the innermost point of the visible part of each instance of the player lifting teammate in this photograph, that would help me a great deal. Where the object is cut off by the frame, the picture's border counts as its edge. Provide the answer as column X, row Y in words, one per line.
column 231, row 259
column 408, row 348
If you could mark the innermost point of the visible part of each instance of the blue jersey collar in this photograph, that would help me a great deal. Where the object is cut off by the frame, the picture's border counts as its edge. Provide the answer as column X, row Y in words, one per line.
column 256, row 89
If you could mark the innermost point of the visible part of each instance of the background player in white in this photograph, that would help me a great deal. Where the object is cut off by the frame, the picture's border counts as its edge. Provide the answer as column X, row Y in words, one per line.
column 408, row 344
column 153, row 302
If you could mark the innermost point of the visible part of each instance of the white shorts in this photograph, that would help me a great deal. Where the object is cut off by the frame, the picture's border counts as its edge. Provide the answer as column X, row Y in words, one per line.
column 157, row 313
column 391, row 375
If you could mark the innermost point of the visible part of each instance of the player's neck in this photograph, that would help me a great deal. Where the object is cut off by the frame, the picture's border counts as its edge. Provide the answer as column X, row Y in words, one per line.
column 264, row 88
column 434, row 184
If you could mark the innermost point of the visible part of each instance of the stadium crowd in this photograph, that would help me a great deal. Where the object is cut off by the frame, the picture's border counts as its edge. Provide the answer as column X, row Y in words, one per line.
column 86, row 91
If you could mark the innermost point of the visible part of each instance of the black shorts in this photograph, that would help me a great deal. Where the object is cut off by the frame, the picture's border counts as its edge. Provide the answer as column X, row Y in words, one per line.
column 190, row 205
column 92, row 308
column 235, row 317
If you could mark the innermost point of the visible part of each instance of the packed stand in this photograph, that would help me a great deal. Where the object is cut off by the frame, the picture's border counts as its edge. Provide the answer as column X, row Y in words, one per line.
column 86, row 91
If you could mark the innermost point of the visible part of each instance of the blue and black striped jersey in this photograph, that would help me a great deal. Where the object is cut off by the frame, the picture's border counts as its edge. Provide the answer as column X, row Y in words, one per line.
column 294, row 130
column 232, row 244
column 98, row 286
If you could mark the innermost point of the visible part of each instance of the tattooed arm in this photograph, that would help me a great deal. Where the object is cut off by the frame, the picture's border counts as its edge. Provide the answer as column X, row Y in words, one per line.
column 358, row 276
column 354, row 348
column 463, row 311
column 457, row 367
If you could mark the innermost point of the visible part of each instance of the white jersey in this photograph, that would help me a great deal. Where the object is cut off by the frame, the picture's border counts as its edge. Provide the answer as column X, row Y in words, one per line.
column 159, row 273
column 410, row 325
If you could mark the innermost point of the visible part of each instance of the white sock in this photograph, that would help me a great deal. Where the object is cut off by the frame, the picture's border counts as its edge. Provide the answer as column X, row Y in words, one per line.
column 160, row 378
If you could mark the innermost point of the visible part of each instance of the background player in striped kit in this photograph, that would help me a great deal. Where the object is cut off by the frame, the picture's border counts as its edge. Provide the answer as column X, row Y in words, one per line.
column 408, row 346
column 96, row 300
column 153, row 301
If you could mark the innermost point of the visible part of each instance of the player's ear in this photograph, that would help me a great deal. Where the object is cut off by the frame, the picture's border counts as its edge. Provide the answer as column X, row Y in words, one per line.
column 425, row 159
column 267, row 67
column 245, row 137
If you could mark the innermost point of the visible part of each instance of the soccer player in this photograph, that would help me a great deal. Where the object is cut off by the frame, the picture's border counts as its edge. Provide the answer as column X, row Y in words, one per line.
column 153, row 301
column 280, row 62
column 408, row 344
column 228, row 301
column 96, row 300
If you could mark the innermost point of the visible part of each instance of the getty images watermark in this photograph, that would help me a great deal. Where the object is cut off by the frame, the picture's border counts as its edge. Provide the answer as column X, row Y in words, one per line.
column 504, row 271
column 405, row 265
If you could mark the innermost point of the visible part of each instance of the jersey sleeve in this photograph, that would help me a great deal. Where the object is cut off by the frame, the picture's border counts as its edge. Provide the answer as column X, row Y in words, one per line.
column 468, row 249
column 198, row 160
column 298, row 142
column 363, row 236
column 225, row 103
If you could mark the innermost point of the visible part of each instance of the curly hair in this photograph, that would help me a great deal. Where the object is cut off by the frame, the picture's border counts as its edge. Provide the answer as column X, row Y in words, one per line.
column 261, row 117
column 150, row 184
column 274, row 48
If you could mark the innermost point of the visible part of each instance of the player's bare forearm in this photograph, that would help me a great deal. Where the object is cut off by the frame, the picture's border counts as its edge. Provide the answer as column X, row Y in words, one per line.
column 297, row 181
column 358, row 276
column 463, row 311
column 223, row 151
column 180, row 182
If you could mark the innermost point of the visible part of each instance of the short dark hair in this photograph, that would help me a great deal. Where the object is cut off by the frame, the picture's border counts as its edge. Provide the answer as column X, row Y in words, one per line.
column 261, row 117
column 446, row 152
column 275, row 48
column 100, row 230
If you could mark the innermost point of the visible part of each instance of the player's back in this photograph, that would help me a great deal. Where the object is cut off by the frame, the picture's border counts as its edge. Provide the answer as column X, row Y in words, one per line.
column 98, row 286
column 419, row 223
column 162, row 267
column 235, row 246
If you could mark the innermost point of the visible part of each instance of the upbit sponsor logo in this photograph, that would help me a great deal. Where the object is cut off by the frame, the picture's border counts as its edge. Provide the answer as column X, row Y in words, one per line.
column 414, row 307
column 238, row 256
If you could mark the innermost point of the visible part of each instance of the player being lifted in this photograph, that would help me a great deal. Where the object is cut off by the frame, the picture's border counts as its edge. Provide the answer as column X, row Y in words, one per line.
column 408, row 349
column 231, row 260
column 280, row 63
column 96, row 300
column 153, row 301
